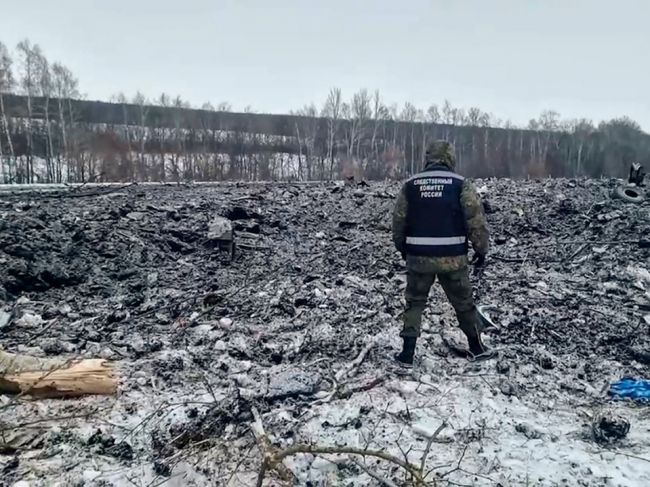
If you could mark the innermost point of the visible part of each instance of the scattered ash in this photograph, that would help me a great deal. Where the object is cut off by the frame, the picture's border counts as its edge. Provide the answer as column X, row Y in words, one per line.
column 201, row 340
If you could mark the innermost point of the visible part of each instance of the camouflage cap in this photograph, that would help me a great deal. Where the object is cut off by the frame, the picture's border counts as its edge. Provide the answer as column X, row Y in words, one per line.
column 441, row 152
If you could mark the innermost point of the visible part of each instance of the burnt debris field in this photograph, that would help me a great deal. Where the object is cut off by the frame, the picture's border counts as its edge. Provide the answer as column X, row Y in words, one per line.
column 284, row 353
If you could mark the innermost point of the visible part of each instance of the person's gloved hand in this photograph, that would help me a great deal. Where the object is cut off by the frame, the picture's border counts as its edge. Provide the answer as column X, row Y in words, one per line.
column 478, row 260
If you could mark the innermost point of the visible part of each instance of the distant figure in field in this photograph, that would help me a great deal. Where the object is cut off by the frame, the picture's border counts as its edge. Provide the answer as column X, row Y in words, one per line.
column 637, row 174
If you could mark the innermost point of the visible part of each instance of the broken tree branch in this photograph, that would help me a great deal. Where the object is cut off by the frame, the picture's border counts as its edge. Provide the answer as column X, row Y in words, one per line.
column 272, row 457
column 23, row 374
column 432, row 438
column 349, row 368
column 374, row 475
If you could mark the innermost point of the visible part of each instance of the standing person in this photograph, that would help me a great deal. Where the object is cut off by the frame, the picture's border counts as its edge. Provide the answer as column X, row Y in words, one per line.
column 436, row 213
column 637, row 174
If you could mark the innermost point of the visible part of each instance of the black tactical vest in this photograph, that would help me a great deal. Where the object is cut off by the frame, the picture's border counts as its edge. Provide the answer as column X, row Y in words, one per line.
column 435, row 223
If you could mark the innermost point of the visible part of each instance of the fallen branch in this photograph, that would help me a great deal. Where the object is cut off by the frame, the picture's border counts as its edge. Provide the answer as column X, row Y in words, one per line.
column 346, row 392
column 325, row 450
column 349, row 368
column 272, row 457
column 23, row 374
column 269, row 459
column 458, row 463
column 374, row 475
column 432, row 438
column 338, row 390
column 239, row 464
column 628, row 455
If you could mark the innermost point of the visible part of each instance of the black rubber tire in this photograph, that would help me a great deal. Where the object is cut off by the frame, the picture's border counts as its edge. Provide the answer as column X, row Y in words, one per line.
column 630, row 194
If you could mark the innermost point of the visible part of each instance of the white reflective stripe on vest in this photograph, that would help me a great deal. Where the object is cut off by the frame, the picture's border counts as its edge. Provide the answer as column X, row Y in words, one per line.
column 437, row 174
column 436, row 240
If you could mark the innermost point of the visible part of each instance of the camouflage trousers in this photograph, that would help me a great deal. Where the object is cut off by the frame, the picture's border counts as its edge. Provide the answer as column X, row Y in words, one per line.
column 458, row 289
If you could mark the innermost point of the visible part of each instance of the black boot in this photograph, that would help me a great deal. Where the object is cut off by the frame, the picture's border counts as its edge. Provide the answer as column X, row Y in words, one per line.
column 477, row 348
column 405, row 357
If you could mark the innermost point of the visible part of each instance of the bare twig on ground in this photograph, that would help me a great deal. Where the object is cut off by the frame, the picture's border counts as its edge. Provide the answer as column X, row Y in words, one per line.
column 382, row 480
column 346, row 392
column 352, row 366
column 53, row 418
column 338, row 391
column 628, row 455
column 239, row 464
column 371, row 434
column 269, row 459
column 458, row 463
column 459, row 468
column 272, row 457
column 432, row 438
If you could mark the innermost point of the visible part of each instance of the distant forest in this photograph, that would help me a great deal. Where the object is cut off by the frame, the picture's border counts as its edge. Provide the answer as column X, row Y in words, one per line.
column 49, row 133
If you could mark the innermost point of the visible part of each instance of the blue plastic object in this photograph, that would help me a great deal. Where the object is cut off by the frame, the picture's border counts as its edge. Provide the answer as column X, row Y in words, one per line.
column 630, row 388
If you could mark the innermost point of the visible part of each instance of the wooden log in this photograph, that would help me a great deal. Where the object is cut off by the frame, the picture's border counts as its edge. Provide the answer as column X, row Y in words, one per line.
column 37, row 377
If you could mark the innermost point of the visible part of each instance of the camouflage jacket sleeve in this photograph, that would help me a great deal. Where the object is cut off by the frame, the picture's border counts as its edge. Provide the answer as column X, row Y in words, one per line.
column 399, row 220
column 477, row 229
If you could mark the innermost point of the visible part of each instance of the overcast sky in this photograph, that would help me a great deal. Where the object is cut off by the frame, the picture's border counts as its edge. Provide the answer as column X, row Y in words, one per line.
column 513, row 58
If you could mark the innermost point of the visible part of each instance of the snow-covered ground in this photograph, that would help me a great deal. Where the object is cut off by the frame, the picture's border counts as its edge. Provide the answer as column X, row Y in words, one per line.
column 302, row 326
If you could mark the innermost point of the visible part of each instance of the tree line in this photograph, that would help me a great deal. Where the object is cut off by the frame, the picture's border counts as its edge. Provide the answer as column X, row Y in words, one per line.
column 50, row 133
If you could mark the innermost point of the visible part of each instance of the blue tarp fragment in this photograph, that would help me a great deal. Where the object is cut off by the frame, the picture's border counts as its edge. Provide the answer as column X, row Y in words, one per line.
column 630, row 388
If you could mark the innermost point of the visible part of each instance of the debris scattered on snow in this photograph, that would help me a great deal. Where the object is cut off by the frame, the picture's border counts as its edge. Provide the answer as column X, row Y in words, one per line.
column 318, row 276
column 609, row 427
column 29, row 320
column 5, row 318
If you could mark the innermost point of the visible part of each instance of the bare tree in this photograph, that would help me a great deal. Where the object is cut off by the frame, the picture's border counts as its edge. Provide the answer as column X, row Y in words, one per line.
column 582, row 130
column 126, row 164
column 448, row 113
column 364, row 133
column 433, row 118
column 447, row 118
column 459, row 117
column 65, row 87
column 473, row 116
column 484, row 121
column 549, row 122
column 433, row 114
column 7, row 84
column 28, row 56
column 45, row 89
column 361, row 113
column 179, row 165
column 424, row 135
column 379, row 117
column 143, row 109
column 163, row 100
column 409, row 115
column 332, row 111
column 306, row 127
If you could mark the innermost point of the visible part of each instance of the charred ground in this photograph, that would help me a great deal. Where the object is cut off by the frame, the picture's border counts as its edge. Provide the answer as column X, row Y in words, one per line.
column 128, row 274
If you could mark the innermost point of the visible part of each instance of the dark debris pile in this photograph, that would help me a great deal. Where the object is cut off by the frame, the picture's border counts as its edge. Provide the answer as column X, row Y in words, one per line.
column 126, row 274
column 132, row 276
column 570, row 268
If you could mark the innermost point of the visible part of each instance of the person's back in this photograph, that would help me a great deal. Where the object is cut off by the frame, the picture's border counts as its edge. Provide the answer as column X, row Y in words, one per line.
column 437, row 212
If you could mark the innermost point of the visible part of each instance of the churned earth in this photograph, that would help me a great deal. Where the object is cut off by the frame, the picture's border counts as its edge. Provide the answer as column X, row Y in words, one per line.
column 292, row 340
